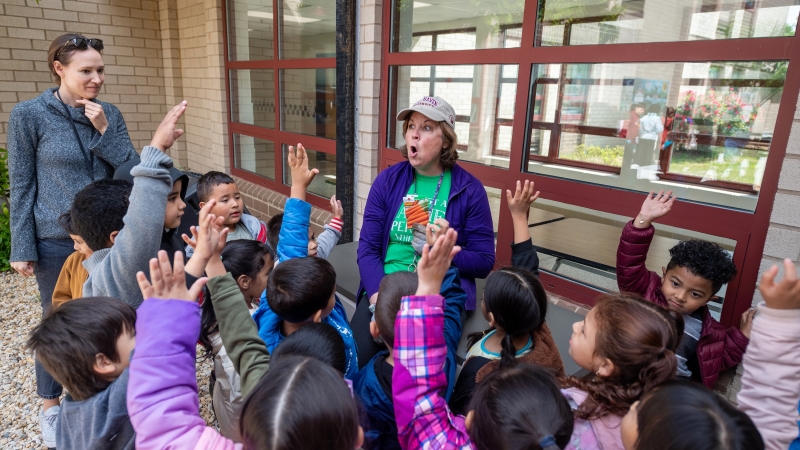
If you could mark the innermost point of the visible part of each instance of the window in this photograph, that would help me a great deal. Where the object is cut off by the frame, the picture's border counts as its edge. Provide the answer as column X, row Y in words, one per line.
column 640, row 95
column 281, row 75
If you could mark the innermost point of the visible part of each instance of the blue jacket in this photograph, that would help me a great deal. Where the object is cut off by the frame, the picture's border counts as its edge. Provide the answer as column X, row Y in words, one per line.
column 293, row 243
column 467, row 211
column 382, row 432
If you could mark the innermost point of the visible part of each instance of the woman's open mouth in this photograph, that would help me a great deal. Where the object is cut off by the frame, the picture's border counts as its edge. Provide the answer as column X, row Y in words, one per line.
column 412, row 151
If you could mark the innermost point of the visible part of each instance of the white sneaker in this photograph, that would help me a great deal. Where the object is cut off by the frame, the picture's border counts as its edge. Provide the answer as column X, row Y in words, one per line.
column 47, row 421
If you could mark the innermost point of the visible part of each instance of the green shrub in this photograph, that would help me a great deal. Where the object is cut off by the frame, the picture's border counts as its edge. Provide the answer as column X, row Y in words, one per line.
column 607, row 156
column 5, row 216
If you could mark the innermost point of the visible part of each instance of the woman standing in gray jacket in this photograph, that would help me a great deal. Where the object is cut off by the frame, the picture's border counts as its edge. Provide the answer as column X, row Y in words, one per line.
column 58, row 143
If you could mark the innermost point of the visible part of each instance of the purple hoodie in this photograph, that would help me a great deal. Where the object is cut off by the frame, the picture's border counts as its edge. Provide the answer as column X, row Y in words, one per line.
column 467, row 211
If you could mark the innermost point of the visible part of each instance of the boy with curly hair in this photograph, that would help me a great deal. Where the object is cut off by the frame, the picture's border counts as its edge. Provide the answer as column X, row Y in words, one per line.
column 695, row 273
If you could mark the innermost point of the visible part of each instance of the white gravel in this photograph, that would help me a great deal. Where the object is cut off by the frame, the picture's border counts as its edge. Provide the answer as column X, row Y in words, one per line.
column 19, row 404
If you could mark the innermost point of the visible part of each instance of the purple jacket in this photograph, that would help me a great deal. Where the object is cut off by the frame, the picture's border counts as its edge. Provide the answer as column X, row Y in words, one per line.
column 467, row 211
column 162, row 389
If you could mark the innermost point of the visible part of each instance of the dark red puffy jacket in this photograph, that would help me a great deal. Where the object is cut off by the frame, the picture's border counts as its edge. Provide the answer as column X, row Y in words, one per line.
column 718, row 348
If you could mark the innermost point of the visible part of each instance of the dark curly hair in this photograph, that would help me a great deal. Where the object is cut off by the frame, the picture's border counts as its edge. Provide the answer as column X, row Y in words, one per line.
column 704, row 259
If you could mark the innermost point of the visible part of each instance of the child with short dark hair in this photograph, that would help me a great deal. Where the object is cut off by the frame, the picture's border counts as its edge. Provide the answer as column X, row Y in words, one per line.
column 315, row 340
column 86, row 344
column 320, row 246
column 696, row 272
column 298, row 403
column 517, row 406
column 124, row 233
column 678, row 415
column 301, row 289
column 221, row 187
column 70, row 281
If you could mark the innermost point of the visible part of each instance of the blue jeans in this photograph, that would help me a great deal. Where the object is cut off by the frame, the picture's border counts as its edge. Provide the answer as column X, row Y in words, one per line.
column 52, row 255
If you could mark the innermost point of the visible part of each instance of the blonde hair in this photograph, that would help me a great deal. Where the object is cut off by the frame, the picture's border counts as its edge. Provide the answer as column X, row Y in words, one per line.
column 449, row 153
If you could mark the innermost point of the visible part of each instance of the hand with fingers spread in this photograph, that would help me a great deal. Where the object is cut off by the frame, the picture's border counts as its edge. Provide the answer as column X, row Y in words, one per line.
column 167, row 282
column 95, row 114
column 435, row 261
column 520, row 206
column 655, row 206
column 784, row 294
column 302, row 176
column 436, row 229
column 167, row 131
column 336, row 207
column 209, row 237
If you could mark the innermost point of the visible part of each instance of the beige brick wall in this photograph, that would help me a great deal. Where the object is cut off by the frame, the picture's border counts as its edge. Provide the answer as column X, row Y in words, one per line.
column 134, row 68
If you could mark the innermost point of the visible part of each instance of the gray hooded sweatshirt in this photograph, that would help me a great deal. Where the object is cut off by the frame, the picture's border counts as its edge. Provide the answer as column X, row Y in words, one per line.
column 47, row 168
column 112, row 271
column 99, row 422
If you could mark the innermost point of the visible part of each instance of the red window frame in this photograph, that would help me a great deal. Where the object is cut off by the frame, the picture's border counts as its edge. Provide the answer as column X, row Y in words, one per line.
column 276, row 135
column 749, row 230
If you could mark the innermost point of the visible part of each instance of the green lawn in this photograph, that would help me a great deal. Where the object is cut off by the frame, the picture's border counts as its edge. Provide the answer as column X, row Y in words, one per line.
column 739, row 169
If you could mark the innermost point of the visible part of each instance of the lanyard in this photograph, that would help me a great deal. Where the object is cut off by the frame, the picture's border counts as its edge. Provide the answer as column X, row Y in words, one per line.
column 87, row 157
column 435, row 193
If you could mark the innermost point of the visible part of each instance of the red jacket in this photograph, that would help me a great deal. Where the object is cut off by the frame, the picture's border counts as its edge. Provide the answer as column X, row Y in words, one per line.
column 718, row 348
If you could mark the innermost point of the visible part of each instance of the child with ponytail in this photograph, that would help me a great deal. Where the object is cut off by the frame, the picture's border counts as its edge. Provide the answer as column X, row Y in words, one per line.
column 518, row 406
column 629, row 344
column 515, row 305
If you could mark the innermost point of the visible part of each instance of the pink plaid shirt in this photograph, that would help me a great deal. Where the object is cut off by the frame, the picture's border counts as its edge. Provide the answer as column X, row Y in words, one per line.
column 423, row 418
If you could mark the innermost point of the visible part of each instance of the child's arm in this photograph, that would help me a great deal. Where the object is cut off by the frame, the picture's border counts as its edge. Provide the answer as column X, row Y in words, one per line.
column 162, row 388
column 632, row 273
column 205, row 239
column 62, row 292
column 523, row 254
column 333, row 230
column 455, row 299
column 293, row 237
column 771, row 380
column 420, row 351
column 140, row 238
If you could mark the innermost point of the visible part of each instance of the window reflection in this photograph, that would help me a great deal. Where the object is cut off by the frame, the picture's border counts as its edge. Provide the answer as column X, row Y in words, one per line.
column 308, row 103
column 308, row 29
column 658, row 126
column 254, row 155
column 483, row 97
column 253, row 97
column 570, row 22
column 250, row 34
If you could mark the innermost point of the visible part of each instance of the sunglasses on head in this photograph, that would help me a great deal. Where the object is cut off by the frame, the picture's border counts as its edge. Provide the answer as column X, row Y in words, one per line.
column 82, row 43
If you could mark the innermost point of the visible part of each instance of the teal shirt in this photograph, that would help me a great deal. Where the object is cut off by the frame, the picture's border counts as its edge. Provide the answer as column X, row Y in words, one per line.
column 400, row 255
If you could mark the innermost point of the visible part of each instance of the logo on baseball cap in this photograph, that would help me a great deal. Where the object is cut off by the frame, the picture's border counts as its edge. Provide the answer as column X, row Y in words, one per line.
column 435, row 108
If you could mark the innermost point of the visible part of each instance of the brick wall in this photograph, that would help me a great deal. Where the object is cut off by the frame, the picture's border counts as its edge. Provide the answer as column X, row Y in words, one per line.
column 130, row 31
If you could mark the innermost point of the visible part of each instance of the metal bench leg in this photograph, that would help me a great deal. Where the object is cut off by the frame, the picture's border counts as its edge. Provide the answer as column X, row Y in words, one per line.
column 557, row 264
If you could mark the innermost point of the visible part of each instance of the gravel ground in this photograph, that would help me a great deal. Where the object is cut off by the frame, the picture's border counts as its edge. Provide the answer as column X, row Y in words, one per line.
column 19, row 404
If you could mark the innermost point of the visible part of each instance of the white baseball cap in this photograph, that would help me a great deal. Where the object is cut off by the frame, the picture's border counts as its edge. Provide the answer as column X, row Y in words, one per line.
column 435, row 108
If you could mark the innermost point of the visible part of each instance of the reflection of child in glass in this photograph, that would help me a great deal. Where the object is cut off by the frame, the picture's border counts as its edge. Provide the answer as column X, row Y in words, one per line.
column 651, row 124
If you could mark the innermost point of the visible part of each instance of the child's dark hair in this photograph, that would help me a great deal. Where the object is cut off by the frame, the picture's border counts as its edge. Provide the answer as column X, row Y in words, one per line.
column 392, row 289
column 67, row 341
column 300, row 287
column 98, row 209
column 65, row 220
column 704, row 259
column 301, row 403
column 518, row 302
column 639, row 338
column 274, row 230
column 210, row 180
column 240, row 257
column 314, row 340
column 517, row 408
column 682, row 414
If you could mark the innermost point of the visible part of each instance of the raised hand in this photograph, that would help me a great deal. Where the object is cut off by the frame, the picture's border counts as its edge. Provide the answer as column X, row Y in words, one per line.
column 302, row 176
column 520, row 203
column 435, row 261
column 784, row 294
column 166, row 282
column 206, row 235
column 336, row 207
column 167, row 133
column 655, row 206
column 95, row 114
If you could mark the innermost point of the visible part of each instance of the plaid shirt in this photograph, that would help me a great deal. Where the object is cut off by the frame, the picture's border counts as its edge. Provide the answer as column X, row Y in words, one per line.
column 423, row 418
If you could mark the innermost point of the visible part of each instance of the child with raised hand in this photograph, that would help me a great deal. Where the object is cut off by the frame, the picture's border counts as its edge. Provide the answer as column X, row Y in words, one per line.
column 679, row 415
column 515, row 305
column 320, row 246
column 771, row 381
column 301, row 289
column 515, row 407
column 629, row 345
column 297, row 395
column 695, row 273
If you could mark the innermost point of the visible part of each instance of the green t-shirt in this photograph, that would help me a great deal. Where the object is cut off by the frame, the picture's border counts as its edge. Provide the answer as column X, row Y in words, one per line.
column 400, row 254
